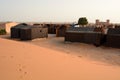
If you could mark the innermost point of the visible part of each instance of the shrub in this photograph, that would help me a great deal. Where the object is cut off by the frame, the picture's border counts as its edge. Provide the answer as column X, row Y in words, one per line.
column 2, row 31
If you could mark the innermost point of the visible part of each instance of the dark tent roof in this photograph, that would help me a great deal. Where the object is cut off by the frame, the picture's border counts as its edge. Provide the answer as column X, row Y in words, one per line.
column 77, row 29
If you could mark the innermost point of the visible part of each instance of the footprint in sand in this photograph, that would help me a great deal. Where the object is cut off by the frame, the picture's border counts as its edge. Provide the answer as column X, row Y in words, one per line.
column 68, row 52
column 22, row 71
column 79, row 56
column 11, row 56
column 25, row 73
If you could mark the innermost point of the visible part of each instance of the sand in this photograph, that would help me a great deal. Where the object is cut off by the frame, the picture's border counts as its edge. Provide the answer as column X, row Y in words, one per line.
column 107, row 55
column 24, row 61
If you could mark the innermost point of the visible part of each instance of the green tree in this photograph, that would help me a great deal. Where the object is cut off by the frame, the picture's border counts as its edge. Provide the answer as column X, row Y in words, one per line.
column 82, row 21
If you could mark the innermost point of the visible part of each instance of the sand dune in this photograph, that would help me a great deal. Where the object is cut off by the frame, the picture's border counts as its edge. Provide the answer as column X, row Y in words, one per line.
column 23, row 61
column 107, row 55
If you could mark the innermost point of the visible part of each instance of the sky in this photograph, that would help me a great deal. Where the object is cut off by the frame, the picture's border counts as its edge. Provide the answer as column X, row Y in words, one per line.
column 59, row 10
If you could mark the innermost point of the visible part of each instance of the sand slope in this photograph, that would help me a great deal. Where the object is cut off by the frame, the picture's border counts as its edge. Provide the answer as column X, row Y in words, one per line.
column 22, row 61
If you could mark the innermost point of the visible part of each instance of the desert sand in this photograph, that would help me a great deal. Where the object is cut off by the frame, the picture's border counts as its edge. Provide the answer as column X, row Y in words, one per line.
column 25, row 61
column 107, row 55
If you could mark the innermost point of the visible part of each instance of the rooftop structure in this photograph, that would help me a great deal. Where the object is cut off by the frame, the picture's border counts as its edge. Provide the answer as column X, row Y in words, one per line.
column 99, row 23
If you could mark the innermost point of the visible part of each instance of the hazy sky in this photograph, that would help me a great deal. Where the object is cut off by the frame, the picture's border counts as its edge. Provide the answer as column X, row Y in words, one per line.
column 59, row 10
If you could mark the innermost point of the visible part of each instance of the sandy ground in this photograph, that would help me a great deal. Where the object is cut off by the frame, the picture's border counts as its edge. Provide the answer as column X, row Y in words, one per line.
column 53, row 59
column 110, row 56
